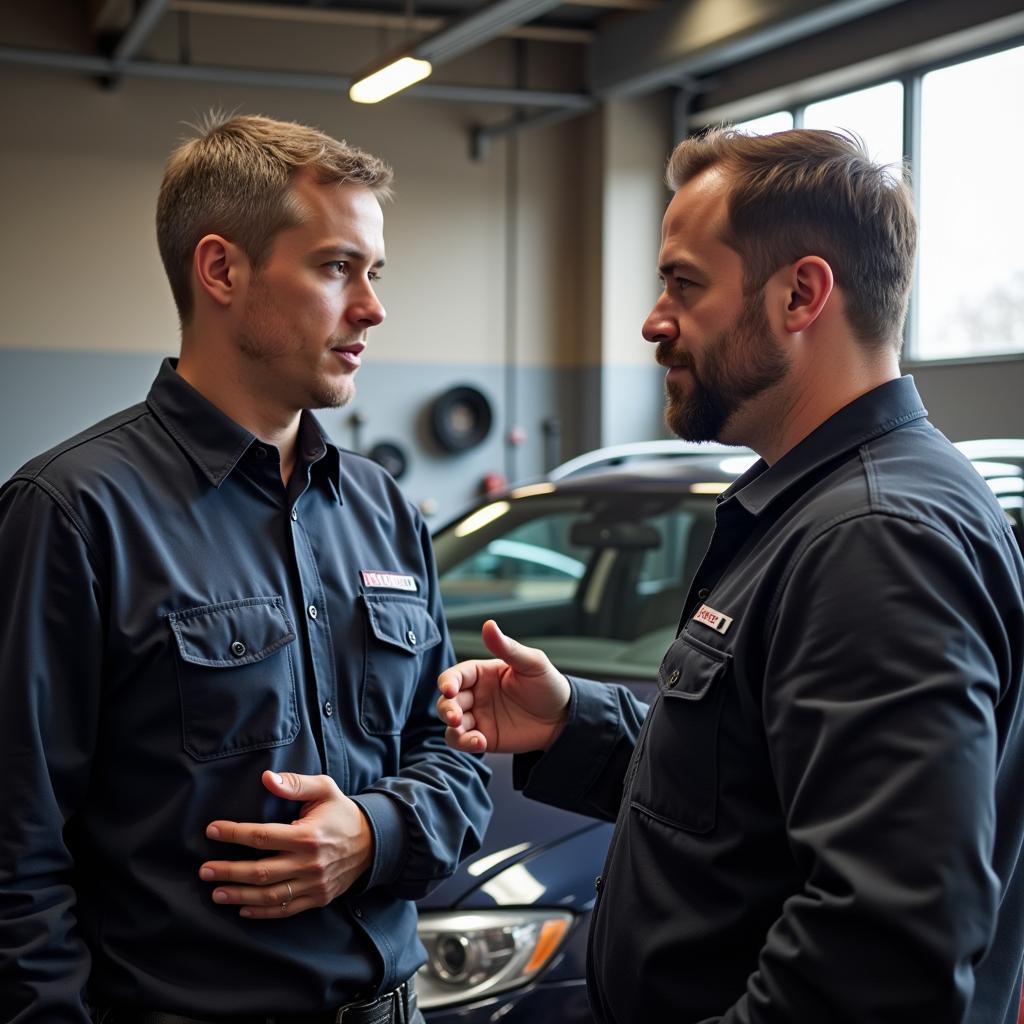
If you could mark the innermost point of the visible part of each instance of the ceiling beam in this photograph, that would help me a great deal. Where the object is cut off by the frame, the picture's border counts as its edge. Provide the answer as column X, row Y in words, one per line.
column 621, row 5
column 353, row 17
column 138, row 31
column 107, row 16
column 479, row 27
column 694, row 37
column 337, row 84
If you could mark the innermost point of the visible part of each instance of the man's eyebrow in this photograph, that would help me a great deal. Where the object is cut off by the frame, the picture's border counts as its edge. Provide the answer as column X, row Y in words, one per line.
column 673, row 266
column 345, row 252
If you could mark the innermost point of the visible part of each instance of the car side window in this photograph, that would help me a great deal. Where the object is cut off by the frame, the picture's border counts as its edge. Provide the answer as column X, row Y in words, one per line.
column 534, row 561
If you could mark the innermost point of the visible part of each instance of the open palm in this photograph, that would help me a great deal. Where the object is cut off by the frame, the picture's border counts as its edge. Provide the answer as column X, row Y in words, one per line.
column 513, row 703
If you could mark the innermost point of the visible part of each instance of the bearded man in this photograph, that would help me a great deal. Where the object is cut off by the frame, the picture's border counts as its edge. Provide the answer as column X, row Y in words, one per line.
column 819, row 818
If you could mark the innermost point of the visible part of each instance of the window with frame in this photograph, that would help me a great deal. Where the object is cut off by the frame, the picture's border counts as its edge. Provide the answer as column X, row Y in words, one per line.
column 969, row 298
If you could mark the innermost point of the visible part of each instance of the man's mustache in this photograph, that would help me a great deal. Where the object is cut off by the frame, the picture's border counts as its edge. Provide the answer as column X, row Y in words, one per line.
column 667, row 357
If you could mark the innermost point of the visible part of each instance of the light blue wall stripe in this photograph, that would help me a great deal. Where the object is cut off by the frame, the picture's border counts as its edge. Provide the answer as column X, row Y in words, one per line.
column 46, row 396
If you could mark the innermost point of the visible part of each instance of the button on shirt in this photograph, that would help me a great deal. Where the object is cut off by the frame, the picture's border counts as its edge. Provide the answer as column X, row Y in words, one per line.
column 174, row 621
column 820, row 815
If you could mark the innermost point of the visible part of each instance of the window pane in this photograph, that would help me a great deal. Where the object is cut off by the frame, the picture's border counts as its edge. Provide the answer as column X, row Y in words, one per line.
column 971, row 297
column 780, row 121
column 875, row 114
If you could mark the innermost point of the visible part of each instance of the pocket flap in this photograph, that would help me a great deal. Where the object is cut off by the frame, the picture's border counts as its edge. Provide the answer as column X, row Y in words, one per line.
column 402, row 622
column 690, row 668
column 232, row 633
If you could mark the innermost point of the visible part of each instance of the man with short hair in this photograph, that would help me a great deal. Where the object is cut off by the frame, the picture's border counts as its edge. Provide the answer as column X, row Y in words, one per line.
column 820, row 816
column 219, row 641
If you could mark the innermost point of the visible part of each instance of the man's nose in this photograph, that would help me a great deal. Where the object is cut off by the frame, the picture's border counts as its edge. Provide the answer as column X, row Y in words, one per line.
column 365, row 308
column 659, row 326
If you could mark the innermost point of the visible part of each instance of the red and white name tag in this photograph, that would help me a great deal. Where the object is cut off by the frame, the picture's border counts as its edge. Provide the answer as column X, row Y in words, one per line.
column 709, row 617
column 387, row 580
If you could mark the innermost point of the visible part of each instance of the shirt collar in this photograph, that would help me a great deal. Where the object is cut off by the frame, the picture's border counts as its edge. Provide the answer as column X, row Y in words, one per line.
column 873, row 414
column 318, row 451
column 216, row 443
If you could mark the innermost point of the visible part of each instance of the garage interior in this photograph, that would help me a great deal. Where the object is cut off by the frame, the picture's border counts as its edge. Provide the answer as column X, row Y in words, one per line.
column 523, row 236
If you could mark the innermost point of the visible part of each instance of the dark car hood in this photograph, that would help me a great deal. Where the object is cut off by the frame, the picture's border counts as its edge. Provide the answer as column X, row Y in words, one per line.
column 519, row 829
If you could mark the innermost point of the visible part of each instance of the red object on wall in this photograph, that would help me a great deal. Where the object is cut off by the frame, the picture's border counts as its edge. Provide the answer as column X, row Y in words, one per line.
column 492, row 483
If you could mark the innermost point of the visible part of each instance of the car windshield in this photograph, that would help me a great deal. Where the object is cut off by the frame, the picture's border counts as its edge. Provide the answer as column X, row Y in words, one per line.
column 597, row 580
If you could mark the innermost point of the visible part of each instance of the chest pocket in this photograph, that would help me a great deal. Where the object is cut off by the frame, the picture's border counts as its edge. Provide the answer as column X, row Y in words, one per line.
column 676, row 779
column 398, row 630
column 235, row 677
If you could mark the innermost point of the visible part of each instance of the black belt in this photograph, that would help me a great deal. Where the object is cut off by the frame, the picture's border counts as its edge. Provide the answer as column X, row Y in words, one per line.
column 397, row 1007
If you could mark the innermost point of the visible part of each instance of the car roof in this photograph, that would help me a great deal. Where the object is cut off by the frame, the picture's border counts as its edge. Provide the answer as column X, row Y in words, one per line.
column 653, row 474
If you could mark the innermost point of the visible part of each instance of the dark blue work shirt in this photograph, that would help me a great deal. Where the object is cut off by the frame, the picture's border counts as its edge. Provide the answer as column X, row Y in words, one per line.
column 820, row 817
column 172, row 623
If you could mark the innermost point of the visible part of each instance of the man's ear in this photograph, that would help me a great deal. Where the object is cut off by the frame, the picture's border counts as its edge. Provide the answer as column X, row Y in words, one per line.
column 221, row 269
column 808, row 283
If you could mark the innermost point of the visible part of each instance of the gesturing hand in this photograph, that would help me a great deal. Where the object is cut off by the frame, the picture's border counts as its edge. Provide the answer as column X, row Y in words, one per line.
column 515, row 703
column 317, row 857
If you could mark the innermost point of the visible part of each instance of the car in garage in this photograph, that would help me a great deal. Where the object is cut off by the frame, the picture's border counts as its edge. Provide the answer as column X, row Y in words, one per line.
column 592, row 564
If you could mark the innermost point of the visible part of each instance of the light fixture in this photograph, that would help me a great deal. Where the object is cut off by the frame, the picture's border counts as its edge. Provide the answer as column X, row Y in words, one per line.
column 384, row 81
column 416, row 59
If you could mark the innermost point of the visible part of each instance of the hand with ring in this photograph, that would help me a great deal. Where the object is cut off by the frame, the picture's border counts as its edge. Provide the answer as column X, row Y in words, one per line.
column 315, row 859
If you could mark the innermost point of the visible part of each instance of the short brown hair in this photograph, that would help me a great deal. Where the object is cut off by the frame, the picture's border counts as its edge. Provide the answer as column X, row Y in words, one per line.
column 808, row 192
column 234, row 179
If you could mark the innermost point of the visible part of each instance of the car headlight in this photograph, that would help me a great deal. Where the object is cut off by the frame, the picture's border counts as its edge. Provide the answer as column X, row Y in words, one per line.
column 470, row 955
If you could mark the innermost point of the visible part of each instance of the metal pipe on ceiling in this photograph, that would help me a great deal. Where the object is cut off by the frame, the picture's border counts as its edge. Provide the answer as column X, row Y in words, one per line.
column 138, row 31
column 479, row 27
column 368, row 18
column 481, row 135
column 101, row 66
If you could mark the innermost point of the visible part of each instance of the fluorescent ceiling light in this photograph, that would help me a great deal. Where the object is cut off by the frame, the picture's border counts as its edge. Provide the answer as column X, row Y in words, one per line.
column 388, row 80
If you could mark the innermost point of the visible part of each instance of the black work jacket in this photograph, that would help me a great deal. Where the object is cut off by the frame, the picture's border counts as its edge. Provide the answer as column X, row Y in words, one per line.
column 173, row 622
column 820, row 816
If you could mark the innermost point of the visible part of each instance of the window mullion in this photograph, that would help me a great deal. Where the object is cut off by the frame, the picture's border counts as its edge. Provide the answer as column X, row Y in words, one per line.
column 912, row 154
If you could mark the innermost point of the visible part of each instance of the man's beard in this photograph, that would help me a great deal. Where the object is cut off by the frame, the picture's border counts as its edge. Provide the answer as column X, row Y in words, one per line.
column 741, row 363
column 263, row 343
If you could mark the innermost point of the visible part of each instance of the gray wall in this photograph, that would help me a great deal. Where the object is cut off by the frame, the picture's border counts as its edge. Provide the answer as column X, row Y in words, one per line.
column 969, row 400
column 46, row 396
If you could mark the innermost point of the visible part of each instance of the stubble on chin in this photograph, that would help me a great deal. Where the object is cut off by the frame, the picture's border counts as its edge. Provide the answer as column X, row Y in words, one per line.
column 328, row 394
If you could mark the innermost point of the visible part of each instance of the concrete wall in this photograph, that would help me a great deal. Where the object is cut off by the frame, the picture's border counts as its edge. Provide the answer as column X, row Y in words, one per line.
column 86, row 314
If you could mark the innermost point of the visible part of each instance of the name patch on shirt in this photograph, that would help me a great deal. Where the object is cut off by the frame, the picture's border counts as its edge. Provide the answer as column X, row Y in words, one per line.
column 387, row 580
column 709, row 617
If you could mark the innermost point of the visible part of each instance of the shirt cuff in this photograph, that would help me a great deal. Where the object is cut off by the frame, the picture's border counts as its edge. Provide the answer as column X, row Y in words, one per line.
column 591, row 731
column 390, row 840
